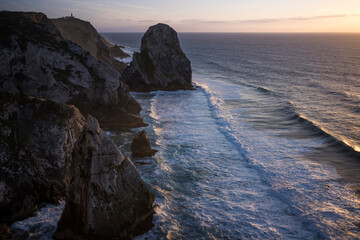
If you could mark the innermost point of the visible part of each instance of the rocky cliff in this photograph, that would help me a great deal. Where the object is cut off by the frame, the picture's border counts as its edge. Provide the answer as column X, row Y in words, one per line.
column 85, row 35
column 48, row 150
column 106, row 197
column 37, row 138
column 161, row 63
column 35, row 59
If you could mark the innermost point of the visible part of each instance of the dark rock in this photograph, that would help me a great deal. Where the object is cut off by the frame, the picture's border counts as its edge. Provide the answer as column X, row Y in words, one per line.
column 36, row 141
column 5, row 232
column 161, row 63
column 48, row 150
column 116, row 51
column 140, row 146
column 85, row 35
column 106, row 197
column 36, row 60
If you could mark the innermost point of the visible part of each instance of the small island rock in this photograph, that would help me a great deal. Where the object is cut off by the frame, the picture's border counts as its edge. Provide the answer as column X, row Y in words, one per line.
column 161, row 63
column 140, row 146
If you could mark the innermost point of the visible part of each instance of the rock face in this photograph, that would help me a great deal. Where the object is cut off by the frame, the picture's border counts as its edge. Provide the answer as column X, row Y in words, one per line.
column 106, row 197
column 48, row 150
column 161, row 63
column 140, row 146
column 36, row 141
column 86, row 36
column 36, row 60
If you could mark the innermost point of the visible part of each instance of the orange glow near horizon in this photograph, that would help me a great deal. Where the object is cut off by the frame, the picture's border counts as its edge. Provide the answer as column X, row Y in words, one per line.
column 205, row 15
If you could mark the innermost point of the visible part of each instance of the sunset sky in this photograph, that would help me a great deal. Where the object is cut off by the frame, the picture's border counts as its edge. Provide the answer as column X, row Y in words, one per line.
column 204, row 15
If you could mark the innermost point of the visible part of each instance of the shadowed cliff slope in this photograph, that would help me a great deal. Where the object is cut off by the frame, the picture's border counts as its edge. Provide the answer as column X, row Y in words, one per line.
column 49, row 150
column 35, row 59
column 86, row 36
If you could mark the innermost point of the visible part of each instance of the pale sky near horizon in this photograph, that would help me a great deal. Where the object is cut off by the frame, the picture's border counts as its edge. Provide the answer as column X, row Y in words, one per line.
column 204, row 15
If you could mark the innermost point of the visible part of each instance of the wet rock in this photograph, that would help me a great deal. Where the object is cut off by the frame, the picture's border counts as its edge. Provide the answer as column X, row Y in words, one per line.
column 140, row 146
column 161, row 63
column 106, row 197
column 36, row 60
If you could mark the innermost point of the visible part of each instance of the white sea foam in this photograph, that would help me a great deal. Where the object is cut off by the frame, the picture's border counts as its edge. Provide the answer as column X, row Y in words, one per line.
column 42, row 226
column 126, row 60
column 203, row 185
column 311, row 189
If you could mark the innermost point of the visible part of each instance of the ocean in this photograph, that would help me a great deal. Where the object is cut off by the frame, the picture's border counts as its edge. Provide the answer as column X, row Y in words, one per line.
column 266, row 147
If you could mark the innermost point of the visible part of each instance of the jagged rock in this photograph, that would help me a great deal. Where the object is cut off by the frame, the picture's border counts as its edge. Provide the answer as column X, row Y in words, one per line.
column 116, row 51
column 140, row 146
column 36, row 60
column 48, row 150
column 36, row 141
column 106, row 197
column 161, row 63
column 85, row 35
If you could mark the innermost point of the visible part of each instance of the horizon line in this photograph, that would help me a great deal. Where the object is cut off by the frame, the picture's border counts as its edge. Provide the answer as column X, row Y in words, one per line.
column 244, row 32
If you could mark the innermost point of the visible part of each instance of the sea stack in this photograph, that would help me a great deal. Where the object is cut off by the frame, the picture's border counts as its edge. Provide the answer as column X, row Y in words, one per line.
column 161, row 63
column 140, row 146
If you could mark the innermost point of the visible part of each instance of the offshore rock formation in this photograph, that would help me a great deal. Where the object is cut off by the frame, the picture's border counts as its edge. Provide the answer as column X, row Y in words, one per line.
column 140, row 146
column 106, row 197
column 37, row 138
column 49, row 150
column 161, row 63
column 86, row 36
column 36, row 60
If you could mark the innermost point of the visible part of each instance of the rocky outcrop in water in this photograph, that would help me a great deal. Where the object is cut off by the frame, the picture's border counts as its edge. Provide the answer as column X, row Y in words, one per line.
column 37, row 138
column 161, row 63
column 140, row 146
column 85, row 35
column 106, row 197
column 35, row 59
column 48, row 150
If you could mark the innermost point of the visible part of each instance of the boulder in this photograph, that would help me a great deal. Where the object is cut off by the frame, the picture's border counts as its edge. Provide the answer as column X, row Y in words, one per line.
column 36, row 141
column 85, row 35
column 140, row 146
column 106, row 197
column 161, row 63
column 36, row 60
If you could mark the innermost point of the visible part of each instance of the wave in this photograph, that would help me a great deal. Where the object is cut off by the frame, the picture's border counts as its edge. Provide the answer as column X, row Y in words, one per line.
column 291, row 181
column 314, row 128
column 221, row 68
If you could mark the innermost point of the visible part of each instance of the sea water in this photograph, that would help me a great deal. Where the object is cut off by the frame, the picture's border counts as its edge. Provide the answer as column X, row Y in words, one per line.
column 266, row 147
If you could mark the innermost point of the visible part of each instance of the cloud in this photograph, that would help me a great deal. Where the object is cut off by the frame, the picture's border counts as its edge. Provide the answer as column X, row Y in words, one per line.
column 265, row 20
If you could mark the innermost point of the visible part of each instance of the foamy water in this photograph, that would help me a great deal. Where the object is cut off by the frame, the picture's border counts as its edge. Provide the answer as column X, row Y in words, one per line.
column 265, row 148
column 261, row 149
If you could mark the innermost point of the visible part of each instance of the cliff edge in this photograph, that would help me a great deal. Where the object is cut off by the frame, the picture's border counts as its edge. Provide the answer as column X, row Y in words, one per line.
column 36, row 60
column 85, row 35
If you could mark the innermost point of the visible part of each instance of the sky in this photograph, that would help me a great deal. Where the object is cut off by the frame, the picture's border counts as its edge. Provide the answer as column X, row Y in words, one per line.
column 204, row 15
